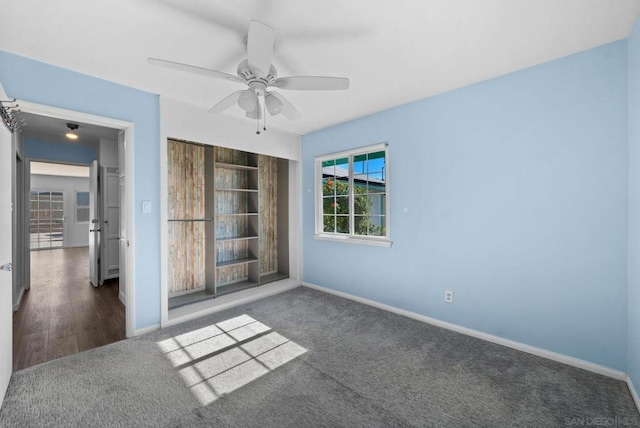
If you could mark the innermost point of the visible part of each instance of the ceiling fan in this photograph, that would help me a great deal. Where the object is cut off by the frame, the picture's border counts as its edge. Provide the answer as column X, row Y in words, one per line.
column 257, row 72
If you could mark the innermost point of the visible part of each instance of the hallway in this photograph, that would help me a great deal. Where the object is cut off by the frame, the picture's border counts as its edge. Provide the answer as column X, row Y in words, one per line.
column 62, row 313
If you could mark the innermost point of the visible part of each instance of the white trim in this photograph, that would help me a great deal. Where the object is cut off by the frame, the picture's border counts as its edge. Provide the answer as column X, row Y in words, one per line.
column 353, row 152
column 122, row 298
column 186, row 122
column 634, row 392
column 164, row 226
column 128, row 127
column 145, row 330
column 197, row 310
column 350, row 239
column 561, row 358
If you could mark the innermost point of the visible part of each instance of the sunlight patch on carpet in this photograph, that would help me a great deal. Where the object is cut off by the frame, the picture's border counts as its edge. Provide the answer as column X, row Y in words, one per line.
column 218, row 359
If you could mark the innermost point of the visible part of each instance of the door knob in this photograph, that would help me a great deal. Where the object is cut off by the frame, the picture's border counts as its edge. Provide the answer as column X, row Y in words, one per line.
column 7, row 267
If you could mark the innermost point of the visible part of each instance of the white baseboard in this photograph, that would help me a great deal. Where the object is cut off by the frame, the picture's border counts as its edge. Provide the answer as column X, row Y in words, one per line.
column 561, row 358
column 200, row 309
column 146, row 330
column 634, row 392
column 122, row 298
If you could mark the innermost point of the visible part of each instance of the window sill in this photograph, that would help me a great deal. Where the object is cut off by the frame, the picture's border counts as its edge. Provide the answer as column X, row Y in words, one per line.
column 378, row 242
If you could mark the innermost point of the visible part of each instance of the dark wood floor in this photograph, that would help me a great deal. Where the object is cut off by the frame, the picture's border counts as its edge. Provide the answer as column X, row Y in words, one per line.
column 63, row 313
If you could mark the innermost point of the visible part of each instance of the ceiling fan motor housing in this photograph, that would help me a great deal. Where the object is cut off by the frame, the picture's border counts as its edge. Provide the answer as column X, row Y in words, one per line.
column 253, row 77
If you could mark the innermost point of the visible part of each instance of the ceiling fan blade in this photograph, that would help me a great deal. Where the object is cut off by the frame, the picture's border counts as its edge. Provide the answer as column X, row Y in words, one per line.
column 260, row 46
column 226, row 103
column 193, row 69
column 312, row 83
column 288, row 110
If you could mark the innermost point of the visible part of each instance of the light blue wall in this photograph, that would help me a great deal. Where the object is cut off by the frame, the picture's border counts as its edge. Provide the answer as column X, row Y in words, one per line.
column 58, row 151
column 513, row 193
column 633, row 365
column 41, row 83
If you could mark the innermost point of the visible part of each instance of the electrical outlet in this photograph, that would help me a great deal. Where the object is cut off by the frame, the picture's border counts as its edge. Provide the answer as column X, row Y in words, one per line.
column 448, row 296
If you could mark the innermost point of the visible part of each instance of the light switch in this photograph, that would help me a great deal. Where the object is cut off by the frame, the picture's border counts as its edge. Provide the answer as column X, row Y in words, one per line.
column 146, row 207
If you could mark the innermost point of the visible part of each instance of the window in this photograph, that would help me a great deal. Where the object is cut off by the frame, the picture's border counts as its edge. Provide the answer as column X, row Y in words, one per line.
column 82, row 207
column 352, row 196
column 46, row 225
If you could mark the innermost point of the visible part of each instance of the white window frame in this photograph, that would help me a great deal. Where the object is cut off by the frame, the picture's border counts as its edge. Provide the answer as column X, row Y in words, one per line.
column 351, row 238
column 76, row 206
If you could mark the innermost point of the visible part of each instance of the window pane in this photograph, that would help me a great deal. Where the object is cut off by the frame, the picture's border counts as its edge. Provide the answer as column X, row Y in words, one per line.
column 342, row 186
column 56, row 196
column 375, row 162
column 361, row 225
column 342, row 205
column 360, row 164
column 362, row 204
column 377, row 226
column 328, row 186
column 58, row 214
column 328, row 205
column 370, row 225
column 342, row 224
column 82, row 199
column 378, row 204
column 56, row 205
column 329, row 223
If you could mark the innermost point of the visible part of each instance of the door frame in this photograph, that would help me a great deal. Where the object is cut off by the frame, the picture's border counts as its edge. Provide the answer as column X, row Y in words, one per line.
column 128, row 128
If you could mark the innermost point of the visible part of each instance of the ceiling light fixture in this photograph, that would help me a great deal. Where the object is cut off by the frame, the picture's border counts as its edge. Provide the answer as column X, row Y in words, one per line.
column 72, row 134
column 247, row 100
column 274, row 105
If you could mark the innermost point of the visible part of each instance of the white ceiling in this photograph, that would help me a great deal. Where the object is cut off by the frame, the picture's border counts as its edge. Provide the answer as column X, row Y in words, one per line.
column 394, row 51
column 52, row 129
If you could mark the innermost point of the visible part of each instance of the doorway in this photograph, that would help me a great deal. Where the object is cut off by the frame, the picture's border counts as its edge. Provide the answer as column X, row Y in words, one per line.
column 60, row 312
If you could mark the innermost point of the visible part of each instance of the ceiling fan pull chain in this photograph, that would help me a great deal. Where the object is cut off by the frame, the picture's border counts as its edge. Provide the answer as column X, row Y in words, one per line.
column 264, row 120
column 258, row 124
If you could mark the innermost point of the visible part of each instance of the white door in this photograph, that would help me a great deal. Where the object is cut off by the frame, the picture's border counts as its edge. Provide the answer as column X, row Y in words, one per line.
column 110, row 239
column 94, row 226
column 123, row 224
column 6, row 289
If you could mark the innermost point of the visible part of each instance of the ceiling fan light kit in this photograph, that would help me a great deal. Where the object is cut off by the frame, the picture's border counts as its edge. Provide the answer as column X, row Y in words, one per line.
column 274, row 105
column 258, row 73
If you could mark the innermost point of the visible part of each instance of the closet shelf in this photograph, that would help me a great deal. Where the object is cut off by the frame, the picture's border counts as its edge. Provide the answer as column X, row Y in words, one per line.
column 222, row 189
column 236, row 262
column 237, row 238
column 190, row 219
column 235, row 166
column 235, row 214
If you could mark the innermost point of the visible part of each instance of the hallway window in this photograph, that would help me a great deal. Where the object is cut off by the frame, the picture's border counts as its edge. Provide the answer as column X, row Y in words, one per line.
column 46, row 226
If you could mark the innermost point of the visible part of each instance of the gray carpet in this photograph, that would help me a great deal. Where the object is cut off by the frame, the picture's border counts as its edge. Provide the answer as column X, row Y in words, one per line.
column 311, row 359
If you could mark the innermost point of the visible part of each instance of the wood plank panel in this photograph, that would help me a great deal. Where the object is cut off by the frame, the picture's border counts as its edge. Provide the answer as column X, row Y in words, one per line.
column 231, row 250
column 229, row 274
column 186, row 180
column 225, row 155
column 186, row 257
column 226, row 178
column 268, row 194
